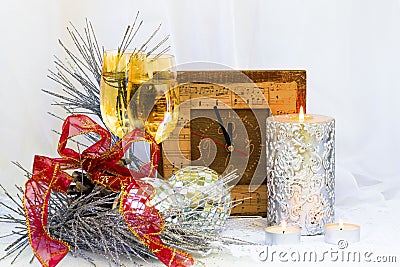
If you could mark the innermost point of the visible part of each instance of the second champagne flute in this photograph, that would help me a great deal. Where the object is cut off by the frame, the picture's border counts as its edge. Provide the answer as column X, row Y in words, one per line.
column 154, row 103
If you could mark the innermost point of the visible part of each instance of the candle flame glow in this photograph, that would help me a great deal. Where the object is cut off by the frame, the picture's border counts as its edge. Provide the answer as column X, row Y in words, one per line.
column 341, row 224
column 301, row 114
column 283, row 225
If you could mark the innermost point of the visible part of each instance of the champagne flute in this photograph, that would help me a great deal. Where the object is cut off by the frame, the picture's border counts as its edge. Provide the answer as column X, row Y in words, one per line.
column 115, row 94
column 154, row 103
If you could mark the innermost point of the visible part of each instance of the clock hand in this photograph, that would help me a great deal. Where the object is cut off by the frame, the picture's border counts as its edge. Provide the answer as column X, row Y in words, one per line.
column 226, row 135
column 243, row 153
column 230, row 130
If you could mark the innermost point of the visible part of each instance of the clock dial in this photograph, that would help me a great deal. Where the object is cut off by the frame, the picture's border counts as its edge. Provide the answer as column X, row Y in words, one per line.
column 245, row 153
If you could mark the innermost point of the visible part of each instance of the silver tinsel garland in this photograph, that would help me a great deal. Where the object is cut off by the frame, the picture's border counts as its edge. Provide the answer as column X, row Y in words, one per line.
column 90, row 225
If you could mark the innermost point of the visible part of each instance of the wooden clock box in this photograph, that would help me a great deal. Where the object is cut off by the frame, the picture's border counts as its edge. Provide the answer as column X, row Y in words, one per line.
column 222, row 124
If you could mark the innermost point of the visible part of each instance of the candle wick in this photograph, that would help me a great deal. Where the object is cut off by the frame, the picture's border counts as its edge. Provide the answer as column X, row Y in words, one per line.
column 283, row 231
column 341, row 228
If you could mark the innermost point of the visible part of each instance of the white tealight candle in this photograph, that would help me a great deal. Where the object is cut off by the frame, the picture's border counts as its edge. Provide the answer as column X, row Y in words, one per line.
column 282, row 234
column 339, row 232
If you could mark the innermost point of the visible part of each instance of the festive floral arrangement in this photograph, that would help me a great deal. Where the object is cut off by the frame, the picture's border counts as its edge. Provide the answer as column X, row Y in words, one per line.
column 89, row 201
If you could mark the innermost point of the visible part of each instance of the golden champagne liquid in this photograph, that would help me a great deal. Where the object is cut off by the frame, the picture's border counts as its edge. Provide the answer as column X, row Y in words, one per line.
column 154, row 105
column 114, row 102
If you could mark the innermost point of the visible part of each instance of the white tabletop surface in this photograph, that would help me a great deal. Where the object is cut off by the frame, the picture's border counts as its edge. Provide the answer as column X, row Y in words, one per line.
column 380, row 236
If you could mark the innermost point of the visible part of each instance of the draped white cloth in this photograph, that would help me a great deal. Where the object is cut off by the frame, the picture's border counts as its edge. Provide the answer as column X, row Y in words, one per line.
column 350, row 49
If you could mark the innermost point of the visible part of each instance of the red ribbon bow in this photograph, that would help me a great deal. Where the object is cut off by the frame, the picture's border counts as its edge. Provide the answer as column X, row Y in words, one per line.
column 99, row 161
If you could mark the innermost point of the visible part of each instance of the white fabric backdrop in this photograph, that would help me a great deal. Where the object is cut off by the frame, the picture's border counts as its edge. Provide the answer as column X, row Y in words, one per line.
column 350, row 49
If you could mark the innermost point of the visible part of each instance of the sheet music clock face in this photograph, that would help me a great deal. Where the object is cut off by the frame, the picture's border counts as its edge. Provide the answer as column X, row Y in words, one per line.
column 241, row 149
column 222, row 124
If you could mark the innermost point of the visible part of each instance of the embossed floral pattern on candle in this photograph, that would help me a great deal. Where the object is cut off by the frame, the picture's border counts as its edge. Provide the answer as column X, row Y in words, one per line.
column 301, row 171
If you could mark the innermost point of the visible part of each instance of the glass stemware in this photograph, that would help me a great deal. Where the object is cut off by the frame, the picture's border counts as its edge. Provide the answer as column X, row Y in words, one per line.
column 154, row 103
column 138, row 91
column 114, row 92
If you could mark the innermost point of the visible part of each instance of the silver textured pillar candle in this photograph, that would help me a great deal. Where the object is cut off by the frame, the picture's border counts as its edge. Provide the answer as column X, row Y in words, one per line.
column 301, row 171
